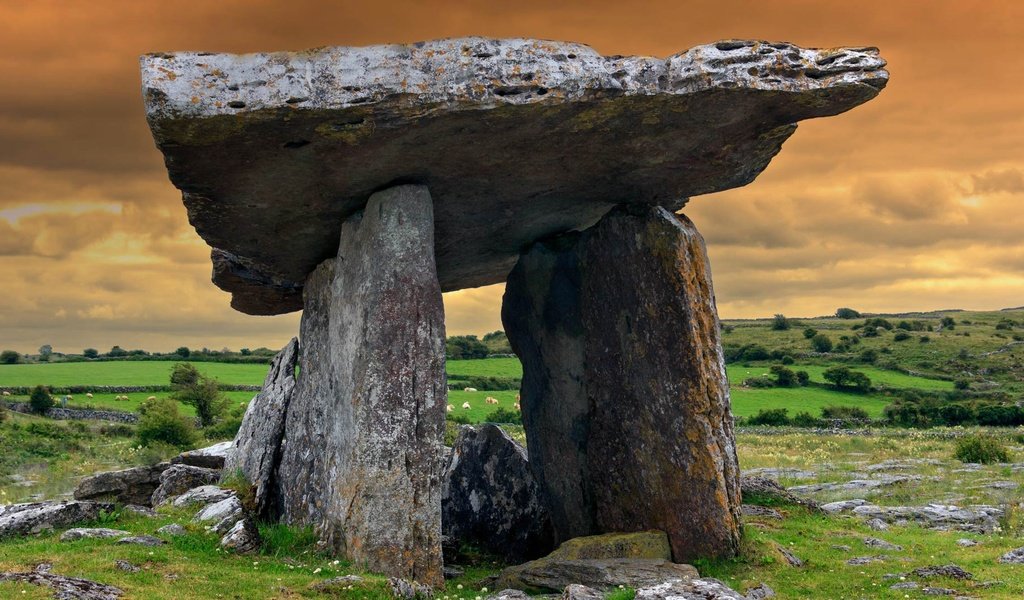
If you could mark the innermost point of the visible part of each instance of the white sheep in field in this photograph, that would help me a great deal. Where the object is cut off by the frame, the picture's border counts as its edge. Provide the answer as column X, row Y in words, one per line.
column 89, row 395
column 6, row 393
column 151, row 398
column 516, row 405
column 466, row 405
column 517, row 397
column 450, row 408
column 491, row 400
column 469, row 389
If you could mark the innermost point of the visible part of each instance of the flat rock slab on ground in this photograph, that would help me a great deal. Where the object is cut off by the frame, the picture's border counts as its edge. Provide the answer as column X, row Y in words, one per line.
column 273, row 150
column 36, row 517
column 82, row 533
column 141, row 540
column 127, row 486
column 203, row 495
column 66, row 588
column 688, row 589
column 978, row 519
column 601, row 573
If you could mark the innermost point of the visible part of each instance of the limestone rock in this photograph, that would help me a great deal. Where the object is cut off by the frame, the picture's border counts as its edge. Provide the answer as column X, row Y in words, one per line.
column 336, row 585
column 402, row 589
column 485, row 123
column 35, row 517
column 881, row 544
column 843, row 505
column 641, row 544
column 221, row 515
column 624, row 396
column 127, row 486
column 210, row 457
column 242, row 538
column 978, row 519
column 204, row 495
column 759, row 592
column 362, row 457
column 127, row 567
column 791, row 559
column 178, row 479
column 759, row 512
column 66, row 588
column 688, row 589
column 141, row 540
column 509, row 594
column 762, row 489
column 490, row 499
column 602, row 573
column 1013, row 557
column 258, row 443
column 173, row 530
column 576, row 591
column 81, row 533
column 950, row 571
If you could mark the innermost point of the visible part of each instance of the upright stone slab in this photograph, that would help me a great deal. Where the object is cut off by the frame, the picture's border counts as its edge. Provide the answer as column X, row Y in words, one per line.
column 362, row 458
column 257, row 446
column 625, row 399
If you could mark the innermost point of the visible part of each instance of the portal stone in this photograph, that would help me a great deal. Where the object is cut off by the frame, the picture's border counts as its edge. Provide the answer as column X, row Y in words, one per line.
column 625, row 399
column 362, row 456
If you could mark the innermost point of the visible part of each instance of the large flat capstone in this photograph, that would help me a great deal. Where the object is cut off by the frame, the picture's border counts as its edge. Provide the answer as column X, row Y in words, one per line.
column 517, row 139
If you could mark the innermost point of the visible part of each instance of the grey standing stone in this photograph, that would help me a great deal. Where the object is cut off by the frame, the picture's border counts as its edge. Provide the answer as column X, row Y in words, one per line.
column 490, row 498
column 624, row 396
column 257, row 448
column 362, row 456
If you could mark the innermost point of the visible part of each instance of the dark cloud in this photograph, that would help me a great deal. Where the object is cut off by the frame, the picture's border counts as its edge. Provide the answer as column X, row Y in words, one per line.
column 1008, row 180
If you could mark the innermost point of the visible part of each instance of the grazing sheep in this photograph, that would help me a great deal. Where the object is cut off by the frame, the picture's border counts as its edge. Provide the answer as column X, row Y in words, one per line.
column 469, row 389
column 465, row 405
column 450, row 408
column 89, row 395
column 516, row 405
column 6, row 393
column 491, row 400
column 151, row 398
column 517, row 397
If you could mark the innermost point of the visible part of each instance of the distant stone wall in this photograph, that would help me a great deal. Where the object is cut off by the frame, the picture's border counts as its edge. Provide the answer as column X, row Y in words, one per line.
column 75, row 413
column 120, row 389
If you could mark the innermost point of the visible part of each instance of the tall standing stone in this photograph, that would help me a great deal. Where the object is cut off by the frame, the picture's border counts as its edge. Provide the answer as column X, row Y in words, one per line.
column 362, row 458
column 625, row 399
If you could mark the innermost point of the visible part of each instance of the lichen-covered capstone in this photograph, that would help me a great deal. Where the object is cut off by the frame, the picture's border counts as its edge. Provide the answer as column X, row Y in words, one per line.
column 517, row 139
column 625, row 399
column 362, row 458
column 257, row 446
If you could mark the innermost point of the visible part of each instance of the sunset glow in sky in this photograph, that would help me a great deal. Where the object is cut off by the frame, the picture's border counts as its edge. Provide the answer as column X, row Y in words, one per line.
column 910, row 202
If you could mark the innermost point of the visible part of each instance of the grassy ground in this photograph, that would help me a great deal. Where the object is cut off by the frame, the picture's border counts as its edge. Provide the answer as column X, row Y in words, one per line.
column 122, row 373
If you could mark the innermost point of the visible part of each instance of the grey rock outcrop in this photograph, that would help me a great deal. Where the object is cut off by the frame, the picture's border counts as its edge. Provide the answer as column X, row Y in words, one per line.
column 127, row 486
column 257, row 447
column 601, row 573
column 978, row 519
column 141, row 540
column 608, row 357
column 172, row 530
column 178, row 479
column 576, row 591
column 35, row 517
column 688, row 589
column 221, row 516
column 490, row 499
column 242, row 538
column 362, row 457
column 460, row 113
column 203, row 495
column 1013, row 557
column 66, row 588
column 762, row 489
column 210, row 457
column 82, row 533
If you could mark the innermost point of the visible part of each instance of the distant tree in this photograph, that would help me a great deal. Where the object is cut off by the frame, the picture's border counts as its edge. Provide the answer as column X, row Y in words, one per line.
column 91, row 353
column 901, row 335
column 772, row 416
column 806, row 419
column 203, row 393
column 843, row 377
column 844, row 412
column 783, row 377
column 821, row 343
column 245, row 352
column 183, row 352
column 40, row 401
column 810, row 332
column 961, row 384
column 45, row 351
column 948, row 323
column 869, row 355
column 780, row 323
column 494, row 335
column 117, row 352
column 184, row 375
column 465, row 346
column 803, row 378
column 847, row 313
column 9, row 357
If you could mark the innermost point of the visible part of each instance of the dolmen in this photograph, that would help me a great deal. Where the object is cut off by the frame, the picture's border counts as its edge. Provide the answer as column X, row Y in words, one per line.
column 358, row 184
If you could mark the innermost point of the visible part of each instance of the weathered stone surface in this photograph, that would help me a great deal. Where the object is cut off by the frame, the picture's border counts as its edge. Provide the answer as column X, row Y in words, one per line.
column 81, row 533
column 257, row 447
column 754, row 511
column 624, row 396
column 127, row 567
column 178, row 479
column 601, row 573
column 221, row 515
column 210, row 457
column 242, row 538
column 35, row 517
column 640, row 544
column 760, row 592
column 172, row 530
column 362, row 456
column 403, row 589
column 951, row 571
column 272, row 150
column 881, row 544
column 141, row 540
column 1013, row 557
column 127, row 486
column 66, row 588
column 688, row 589
column 978, row 519
column 204, row 495
column 576, row 591
column 509, row 594
column 762, row 489
column 490, row 499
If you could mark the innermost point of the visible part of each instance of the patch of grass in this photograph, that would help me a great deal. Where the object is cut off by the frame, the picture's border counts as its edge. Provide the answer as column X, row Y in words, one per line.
column 982, row 449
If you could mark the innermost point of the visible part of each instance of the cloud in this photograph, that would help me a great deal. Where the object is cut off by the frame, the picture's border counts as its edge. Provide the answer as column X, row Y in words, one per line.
column 1008, row 180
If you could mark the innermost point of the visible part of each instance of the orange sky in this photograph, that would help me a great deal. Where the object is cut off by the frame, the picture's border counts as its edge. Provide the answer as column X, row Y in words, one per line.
column 910, row 202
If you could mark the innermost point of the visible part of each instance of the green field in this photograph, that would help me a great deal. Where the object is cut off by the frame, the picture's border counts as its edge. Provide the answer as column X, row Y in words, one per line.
column 123, row 373
column 485, row 367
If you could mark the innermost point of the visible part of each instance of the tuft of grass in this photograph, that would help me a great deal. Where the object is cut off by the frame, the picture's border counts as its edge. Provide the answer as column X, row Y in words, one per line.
column 982, row 449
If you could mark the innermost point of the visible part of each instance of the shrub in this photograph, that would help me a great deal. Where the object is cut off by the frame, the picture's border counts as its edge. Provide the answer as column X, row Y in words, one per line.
column 803, row 378
column 464, row 347
column 821, row 343
column 847, row 313
column 806, row 419
column 948, row 323
column 758, row 382
column 206, row 397
column 91, row 353
column 843, row 412
column 504, row 415
column 184, row 375
column 842, row 377
column 961, row 384
column 117, row 430
column 788, row 360
column 780, row 323
column 754, row 352
column 924, row 339
column 3, row 411
column 956, row 414
column 810, row 332
column 901, row 336
column 783, row 377
column 980, row 449
column 998, row 415
column 184, row 352
column 774, row 417
column 40, row 400
column 161, row 422
column 9, row 357
column 117, row 352
column 868, row 355
column 878, row 322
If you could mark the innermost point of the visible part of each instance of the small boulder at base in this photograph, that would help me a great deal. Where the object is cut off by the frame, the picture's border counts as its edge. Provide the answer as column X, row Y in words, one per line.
column 490, row 499
column 141, row 540
column 172, row 530
column 576, row 591
column 603, row 573
column 35, row 517
column 242, row 538
column 65, row 588
column 82, row 533
column 127, row 486
column 178, row 479
column 211, row 457
column 640, row 544
column 1013, row 557
column 403, row 589
column 688, row 589
column 204, row 495
column 223, row 515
